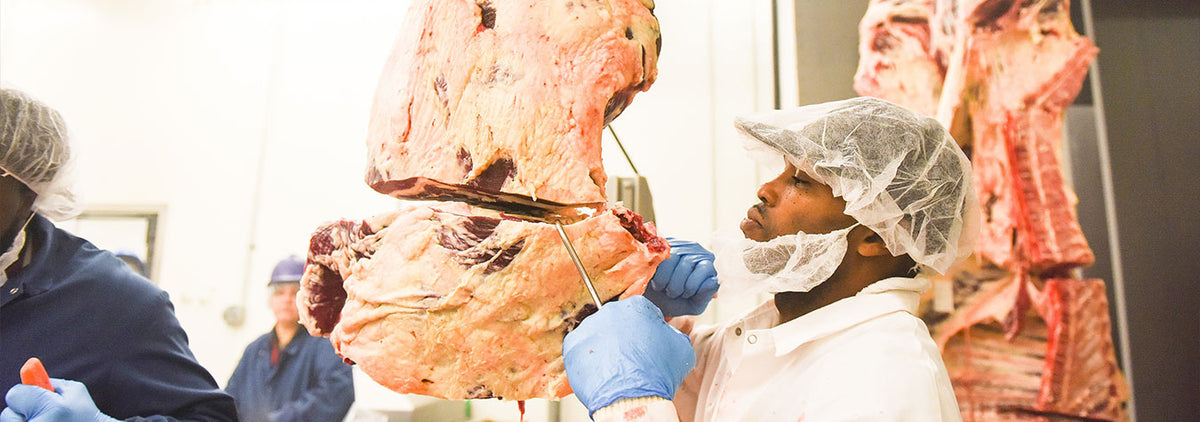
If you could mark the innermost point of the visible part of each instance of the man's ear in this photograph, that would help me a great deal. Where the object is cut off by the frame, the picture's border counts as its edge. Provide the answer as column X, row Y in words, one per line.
column 872, row 245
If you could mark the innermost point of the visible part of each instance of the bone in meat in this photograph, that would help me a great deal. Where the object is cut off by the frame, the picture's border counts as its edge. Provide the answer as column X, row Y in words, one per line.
column 1080, row 376
column 1025, row 66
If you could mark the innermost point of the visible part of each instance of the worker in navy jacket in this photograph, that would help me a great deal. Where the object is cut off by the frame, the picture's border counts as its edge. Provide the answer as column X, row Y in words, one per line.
column 108, row 337
column 286, row 374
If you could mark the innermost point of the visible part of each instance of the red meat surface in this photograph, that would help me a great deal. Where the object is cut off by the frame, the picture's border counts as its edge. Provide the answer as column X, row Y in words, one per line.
column 452, row 301
column 509, row 95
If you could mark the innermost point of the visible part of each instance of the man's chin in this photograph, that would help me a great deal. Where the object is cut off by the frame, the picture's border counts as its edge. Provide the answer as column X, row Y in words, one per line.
column 753, row 230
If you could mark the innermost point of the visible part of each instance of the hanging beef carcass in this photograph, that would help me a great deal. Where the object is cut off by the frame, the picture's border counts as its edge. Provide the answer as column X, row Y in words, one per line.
column 1020, row 354
column 1024, row 64
column 509, row 95
column 897, row 61
column 498, row 104
column 1015, row 344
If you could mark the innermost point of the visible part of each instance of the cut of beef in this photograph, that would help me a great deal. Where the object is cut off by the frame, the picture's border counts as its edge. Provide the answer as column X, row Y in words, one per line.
column 498, row 104
column 1025, row 65
column 1008, row 70
column 457, row 302
column 1080, row 376
column 896, row 61
column 999, row 74
column 509, row 95
column 1059, row 365
column 996, row 378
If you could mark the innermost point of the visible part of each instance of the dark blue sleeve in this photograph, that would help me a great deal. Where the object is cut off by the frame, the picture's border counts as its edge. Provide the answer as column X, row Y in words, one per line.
column 90, row 318
column 156, row 370
column 332, row 392
column 238, row 381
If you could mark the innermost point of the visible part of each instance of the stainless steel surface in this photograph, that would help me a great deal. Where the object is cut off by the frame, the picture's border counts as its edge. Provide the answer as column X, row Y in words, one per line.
column 634, row 193
column 587, row 281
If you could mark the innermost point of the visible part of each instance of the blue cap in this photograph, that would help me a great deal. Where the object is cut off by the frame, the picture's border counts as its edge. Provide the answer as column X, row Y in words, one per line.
column 289, row 270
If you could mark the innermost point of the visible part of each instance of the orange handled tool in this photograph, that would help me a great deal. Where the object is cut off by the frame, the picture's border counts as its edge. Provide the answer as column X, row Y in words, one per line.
column 33, row 373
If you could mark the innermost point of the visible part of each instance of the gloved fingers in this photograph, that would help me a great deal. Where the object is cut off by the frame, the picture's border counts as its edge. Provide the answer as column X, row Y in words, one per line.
column 678, row 281
column 688, row 248
column 614, row 316
column 29, row 400
column 701, row 274
column 663, row 273
column 71, row 389
column 705, row 295
column 685, row 247
column 9, row 415
column 625, row 350
column 641, row 306
column 677, row 361
column 678, row 244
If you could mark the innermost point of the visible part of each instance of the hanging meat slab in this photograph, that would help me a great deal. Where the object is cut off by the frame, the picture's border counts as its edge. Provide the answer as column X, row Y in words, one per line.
column 452, row 301
column 1017, row 347
column 1025, row 66
column 509, row 95
column 1080, row 377
column 495, row 108
column 1011, row 70
column 1060, row 364
column 897, row 61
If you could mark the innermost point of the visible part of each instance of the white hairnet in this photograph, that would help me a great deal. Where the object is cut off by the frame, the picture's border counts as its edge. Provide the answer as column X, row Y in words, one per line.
column 901, row 174
column 34, row 149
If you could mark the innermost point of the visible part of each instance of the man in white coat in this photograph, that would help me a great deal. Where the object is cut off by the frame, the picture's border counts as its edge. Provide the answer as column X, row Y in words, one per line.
column 871, row 196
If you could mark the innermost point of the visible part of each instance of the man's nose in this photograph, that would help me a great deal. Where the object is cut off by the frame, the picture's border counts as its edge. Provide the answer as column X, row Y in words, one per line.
column 766, row 193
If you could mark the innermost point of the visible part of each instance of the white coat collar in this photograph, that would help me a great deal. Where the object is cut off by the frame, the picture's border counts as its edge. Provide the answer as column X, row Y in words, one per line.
column 897, row 294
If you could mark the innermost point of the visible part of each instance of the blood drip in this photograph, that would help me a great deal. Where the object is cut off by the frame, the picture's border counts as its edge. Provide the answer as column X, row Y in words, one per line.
column 521, row 407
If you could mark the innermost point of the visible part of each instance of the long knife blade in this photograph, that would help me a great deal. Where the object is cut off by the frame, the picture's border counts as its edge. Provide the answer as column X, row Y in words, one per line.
column 425, row 189
column 587, row 281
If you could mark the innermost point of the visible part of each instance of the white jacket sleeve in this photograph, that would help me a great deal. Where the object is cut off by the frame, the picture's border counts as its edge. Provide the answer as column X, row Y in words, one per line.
column 643, row 409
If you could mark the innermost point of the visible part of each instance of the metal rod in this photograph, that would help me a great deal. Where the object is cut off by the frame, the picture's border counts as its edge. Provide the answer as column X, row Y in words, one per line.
column 627, row 159
column 1110, row 216
column 587, row 281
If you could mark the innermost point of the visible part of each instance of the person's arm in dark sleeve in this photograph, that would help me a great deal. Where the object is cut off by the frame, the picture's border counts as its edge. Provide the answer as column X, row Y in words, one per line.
column 156, row 377
column 332, row 395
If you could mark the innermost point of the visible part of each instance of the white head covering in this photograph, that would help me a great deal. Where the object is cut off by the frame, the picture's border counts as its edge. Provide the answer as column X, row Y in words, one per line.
column 901, row 174
column 34, row 148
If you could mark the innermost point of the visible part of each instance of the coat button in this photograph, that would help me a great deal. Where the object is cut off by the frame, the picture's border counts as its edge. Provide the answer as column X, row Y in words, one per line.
column 752, row 339
column 737, row 331
column 13, row 291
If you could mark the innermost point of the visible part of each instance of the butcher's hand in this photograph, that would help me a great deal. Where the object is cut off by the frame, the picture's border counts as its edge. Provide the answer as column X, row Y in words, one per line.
column 69, row 402
column 684, row 283
column 623, row 351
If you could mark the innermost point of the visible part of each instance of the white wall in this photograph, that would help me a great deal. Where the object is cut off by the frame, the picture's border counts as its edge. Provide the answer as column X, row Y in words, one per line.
column 245, row 121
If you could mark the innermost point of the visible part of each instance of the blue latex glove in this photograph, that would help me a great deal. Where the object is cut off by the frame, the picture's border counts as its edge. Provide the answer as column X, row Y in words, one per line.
column 69, row 402
column 684, row 283
column 626, row 350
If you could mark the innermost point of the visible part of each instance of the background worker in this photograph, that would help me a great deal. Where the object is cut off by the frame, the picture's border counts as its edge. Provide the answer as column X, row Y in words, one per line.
column 870, row 193
column 107, row 336
column 285, row 374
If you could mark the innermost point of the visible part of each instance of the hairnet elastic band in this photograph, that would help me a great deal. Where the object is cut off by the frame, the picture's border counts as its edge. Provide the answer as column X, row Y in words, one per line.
column 5, row 173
